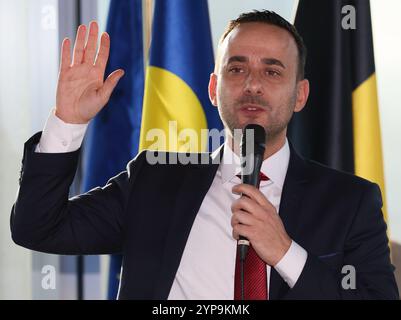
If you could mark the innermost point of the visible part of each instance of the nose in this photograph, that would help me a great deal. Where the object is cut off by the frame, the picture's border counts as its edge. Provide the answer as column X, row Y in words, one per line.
column 253, row 85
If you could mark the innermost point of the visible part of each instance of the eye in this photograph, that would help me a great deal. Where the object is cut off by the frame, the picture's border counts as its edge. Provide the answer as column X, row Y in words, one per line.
column 235, row 70
column 273, row 73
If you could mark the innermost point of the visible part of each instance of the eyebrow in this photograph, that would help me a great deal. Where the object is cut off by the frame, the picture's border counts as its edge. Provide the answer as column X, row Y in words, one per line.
column 272, row 61
column 268, row 61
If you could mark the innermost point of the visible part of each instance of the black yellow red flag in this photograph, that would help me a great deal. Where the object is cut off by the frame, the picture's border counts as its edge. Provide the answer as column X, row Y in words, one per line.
column 340, row 126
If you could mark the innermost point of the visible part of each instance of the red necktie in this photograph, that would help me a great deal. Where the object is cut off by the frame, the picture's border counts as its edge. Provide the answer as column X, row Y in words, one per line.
column 255, row 277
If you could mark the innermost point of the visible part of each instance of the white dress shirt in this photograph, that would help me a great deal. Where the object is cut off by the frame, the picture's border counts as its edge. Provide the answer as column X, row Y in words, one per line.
column 207, row 266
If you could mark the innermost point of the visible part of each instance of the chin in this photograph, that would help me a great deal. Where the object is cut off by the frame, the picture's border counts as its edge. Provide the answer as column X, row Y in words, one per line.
column 253, row 121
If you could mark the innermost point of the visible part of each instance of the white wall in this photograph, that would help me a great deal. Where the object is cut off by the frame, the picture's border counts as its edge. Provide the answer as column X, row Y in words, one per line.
column 387, row 45
column 15, row 126
column 222, row 11
column 28, row 64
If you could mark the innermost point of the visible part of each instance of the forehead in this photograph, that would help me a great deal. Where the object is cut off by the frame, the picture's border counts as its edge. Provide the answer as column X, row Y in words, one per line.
column 255, row 39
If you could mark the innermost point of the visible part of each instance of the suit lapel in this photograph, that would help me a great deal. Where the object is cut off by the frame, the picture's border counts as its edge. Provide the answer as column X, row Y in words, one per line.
column 290, row 212
column 197, row 180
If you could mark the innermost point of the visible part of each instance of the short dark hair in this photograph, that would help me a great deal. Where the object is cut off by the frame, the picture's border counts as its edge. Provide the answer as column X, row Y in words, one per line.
column 272, row 18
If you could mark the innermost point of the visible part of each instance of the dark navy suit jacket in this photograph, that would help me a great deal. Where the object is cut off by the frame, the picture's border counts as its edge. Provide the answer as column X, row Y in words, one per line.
column 146, row 213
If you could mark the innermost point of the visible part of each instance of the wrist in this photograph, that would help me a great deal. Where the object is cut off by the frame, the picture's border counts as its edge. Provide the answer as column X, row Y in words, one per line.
column 67, row 119
column 286, row 244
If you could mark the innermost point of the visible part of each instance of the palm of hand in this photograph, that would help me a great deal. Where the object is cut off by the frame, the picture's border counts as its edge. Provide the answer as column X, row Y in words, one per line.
column 81, row 90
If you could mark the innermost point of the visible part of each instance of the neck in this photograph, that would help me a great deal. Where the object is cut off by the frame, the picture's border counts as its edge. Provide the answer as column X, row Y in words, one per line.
column 272, row 146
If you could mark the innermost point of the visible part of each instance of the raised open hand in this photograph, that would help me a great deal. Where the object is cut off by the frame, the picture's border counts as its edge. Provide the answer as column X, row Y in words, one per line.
column 81, row 90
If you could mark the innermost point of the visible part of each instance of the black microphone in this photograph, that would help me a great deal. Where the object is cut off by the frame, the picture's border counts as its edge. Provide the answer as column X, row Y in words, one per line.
column 253, row 144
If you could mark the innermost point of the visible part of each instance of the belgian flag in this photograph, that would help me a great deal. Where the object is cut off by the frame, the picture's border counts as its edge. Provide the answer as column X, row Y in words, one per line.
column 340, row 125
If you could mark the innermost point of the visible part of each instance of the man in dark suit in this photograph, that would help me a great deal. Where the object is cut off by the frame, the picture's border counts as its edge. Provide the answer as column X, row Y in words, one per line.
column 316, row 233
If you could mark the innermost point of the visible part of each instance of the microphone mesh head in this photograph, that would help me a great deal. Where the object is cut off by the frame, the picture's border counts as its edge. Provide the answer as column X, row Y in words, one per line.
column 253, row 135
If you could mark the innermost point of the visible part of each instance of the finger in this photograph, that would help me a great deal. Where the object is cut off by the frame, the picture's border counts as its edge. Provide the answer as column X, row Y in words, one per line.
column 110, row 83
column 91, row 44
column 103, row 54
column 79, row 45
column 245, row 231
column 242, row 217
column 65, row 54
column 252, row 193
column 235, row 235
column 251, row 207
column 245, row 204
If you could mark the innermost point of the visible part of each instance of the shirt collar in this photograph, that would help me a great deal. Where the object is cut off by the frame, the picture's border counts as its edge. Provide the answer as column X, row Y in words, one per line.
column 275, row 167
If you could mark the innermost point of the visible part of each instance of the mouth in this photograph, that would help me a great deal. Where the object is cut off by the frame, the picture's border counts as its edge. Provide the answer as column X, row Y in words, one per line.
column 252, row 109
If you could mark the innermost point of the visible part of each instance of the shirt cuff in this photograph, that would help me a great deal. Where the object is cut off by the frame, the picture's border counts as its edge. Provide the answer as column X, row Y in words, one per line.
column 291, row 265
column 60, row 137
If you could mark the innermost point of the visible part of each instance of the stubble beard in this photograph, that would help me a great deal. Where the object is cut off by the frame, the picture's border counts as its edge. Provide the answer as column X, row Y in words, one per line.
column 273, row 130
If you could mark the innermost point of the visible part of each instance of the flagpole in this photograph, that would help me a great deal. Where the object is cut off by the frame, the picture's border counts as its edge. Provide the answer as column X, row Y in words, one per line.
column 147, row 9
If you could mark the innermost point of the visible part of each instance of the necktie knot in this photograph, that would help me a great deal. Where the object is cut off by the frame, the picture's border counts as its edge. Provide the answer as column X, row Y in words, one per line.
column 262, row 176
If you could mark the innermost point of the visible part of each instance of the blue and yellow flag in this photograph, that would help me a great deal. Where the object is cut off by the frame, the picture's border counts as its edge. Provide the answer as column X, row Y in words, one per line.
column 113, row 136
column 176, row 86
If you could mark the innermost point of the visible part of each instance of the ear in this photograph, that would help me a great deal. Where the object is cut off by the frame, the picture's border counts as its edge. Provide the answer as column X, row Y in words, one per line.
column 212, row 89
column 302, row 94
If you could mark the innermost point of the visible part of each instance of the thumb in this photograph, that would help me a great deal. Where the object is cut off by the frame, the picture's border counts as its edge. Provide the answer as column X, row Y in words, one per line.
column 110, row 83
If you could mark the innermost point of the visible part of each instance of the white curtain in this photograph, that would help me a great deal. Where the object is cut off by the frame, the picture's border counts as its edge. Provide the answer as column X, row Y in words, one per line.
column 28, row 73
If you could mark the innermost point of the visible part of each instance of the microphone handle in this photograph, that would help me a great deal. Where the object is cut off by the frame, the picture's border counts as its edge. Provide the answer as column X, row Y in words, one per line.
column 254, row 180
